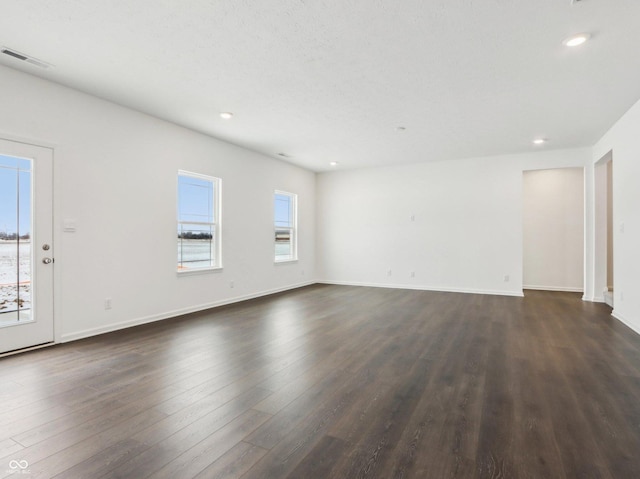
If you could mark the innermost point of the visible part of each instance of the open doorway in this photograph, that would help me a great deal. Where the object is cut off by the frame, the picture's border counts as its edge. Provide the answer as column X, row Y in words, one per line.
column 604, row 247
column 553, row 229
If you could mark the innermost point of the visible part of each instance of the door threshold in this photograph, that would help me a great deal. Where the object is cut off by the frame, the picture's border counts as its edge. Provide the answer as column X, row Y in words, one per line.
column 24, row 350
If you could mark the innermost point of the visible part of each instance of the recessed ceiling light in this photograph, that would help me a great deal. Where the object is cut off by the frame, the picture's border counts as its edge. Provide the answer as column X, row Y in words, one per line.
column 539, row 141
column 227, row 115
column 575, row 40
column 333, row 163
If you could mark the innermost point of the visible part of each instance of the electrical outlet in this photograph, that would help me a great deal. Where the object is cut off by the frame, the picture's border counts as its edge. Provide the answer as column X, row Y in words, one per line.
column 389, row 273
column 506, row 278
column 413, row 274
column 232, row 284
column 107, row 303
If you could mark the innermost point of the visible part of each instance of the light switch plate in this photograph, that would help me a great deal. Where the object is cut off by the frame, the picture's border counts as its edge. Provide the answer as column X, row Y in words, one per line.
column 69, row 226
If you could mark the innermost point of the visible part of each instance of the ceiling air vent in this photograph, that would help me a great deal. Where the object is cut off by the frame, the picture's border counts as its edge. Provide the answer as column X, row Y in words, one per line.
column 25, row 58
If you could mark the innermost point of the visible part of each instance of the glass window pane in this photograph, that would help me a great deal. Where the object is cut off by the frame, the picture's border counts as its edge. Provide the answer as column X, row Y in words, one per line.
column 24, row 238
column 198, row 234
column 195, row 200
column 8, row 203
column 24, row 164
column 24, row 279
column 24, row 201
column 8, row 279
column 8, row 161
column 282, row 209
column 15, row 239
column 283, row 236
column 195, row 246
column 283, row 250
column 283, row 244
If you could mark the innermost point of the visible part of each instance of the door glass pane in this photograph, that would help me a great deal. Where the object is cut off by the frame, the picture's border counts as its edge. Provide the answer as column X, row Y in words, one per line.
column 15, row 239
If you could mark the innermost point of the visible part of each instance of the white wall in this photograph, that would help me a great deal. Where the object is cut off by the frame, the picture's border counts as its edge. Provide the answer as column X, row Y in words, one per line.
column 553, row 219
column 115, row 174
column 624, row 142
column 467, row 232
column 115, row 171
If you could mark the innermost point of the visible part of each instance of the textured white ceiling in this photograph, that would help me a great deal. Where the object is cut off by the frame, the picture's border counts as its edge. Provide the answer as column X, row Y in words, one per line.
column 331, row 80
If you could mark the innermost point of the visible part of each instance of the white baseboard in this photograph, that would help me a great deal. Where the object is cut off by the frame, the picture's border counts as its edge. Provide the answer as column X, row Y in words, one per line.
column 625, row 321
column 172, row 314
column 444, row 289
column 553, row 288
column 608, row 298
column 594, row 299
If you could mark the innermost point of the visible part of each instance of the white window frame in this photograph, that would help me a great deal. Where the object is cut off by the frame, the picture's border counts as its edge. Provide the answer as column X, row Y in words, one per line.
column 293, row 229
column 216, row 224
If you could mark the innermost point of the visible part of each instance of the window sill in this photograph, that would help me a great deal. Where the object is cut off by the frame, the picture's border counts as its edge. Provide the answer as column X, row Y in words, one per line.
column 281, row 261
column 189, row 272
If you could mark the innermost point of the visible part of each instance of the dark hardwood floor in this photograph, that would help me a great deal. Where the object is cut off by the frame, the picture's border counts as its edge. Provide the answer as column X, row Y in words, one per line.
column 336, row 382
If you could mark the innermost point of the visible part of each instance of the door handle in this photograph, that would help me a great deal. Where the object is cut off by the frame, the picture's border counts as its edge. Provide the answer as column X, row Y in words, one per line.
column 47, row 260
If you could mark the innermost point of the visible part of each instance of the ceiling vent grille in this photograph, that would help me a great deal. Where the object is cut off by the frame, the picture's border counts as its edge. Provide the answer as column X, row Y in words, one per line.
column 25, row 58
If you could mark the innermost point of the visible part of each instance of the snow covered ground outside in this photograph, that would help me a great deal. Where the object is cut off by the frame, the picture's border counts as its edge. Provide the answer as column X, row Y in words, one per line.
column 10, row 258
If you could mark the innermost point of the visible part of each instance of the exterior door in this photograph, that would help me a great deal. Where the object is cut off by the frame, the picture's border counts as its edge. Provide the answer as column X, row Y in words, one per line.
column 26, row 247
